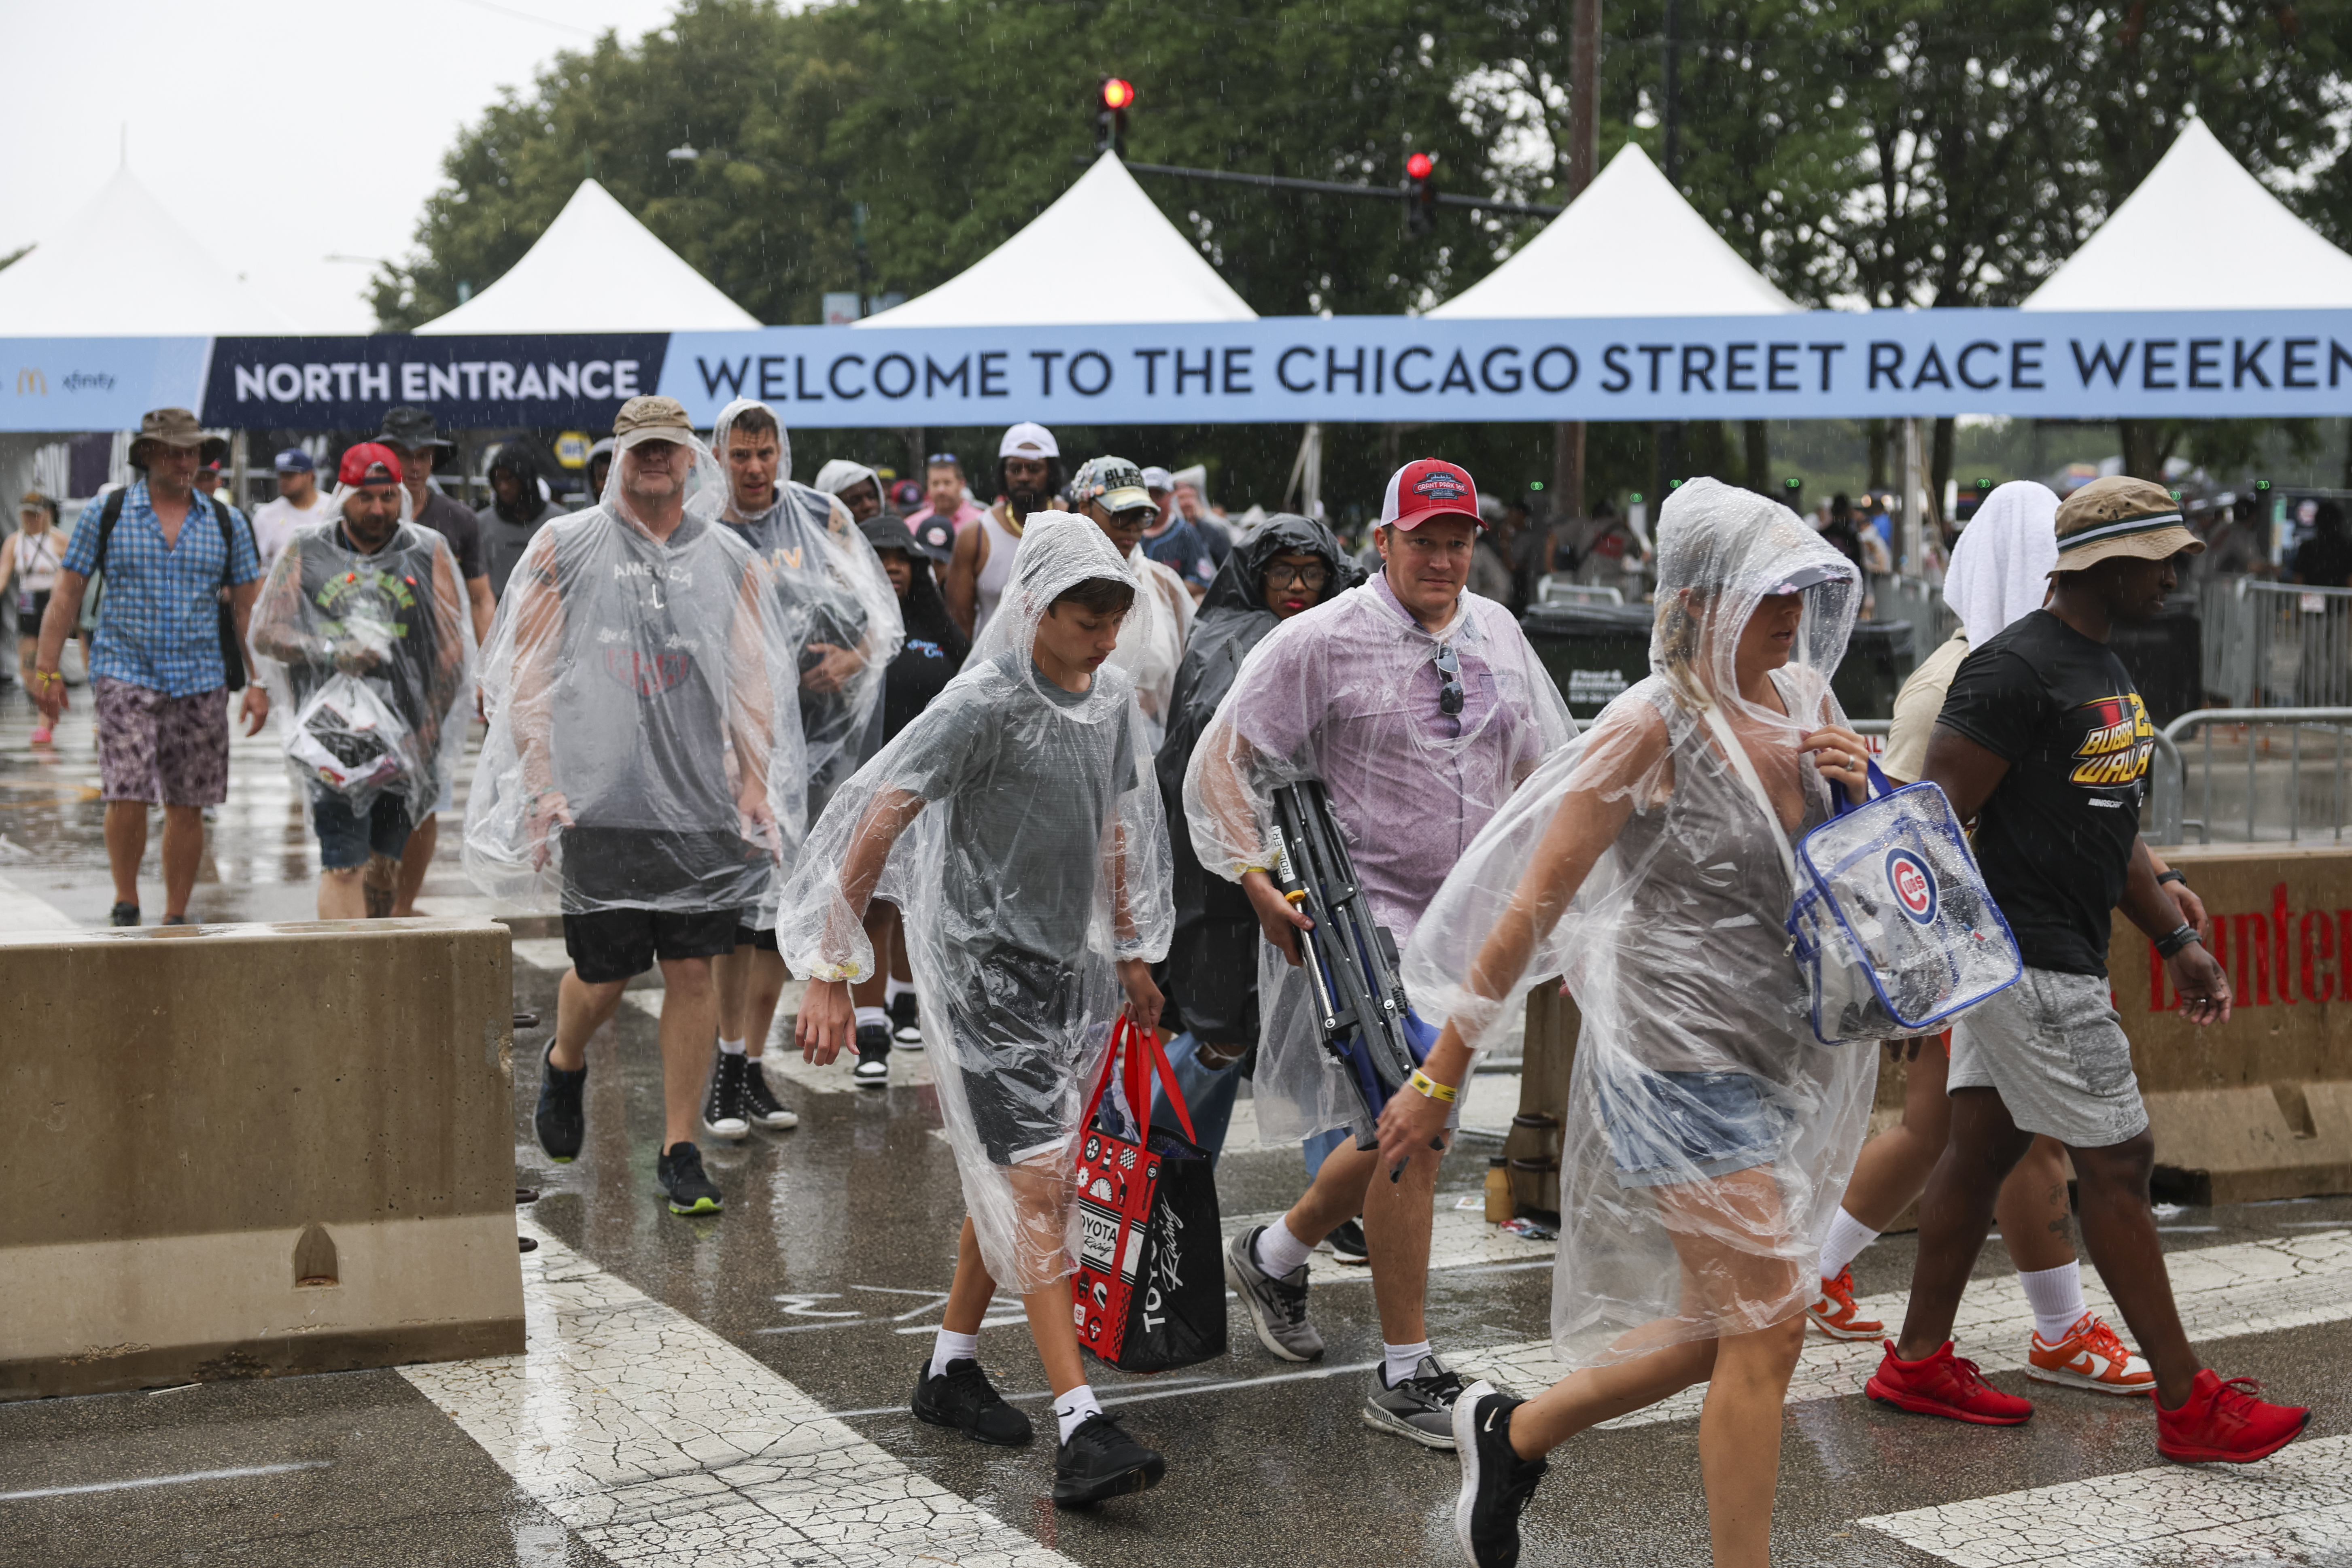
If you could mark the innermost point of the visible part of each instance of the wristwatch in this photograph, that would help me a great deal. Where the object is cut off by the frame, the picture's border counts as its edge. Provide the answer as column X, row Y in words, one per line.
column 2170, row 875
column 2172, row 941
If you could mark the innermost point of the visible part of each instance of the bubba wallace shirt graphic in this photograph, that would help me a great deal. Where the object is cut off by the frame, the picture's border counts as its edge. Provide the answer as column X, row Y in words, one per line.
column 2055, row 838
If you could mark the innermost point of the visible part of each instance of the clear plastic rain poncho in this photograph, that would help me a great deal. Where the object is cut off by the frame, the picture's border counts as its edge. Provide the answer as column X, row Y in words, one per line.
column 644, row 748
column 369, row 658
column 1355, row 692
column 1709, row 1136
column 832, row 598
column 1031, row 856
column 1151, row 640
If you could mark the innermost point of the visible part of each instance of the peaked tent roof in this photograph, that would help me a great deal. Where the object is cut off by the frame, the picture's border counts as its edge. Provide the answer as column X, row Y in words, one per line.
column 123, row 267
column 2200, row 234
column 1062, row 271
column 596, row 269
column 1630, row 246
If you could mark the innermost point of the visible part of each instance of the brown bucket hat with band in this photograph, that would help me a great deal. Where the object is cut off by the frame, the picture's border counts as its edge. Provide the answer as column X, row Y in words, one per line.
column 175, row 427
column 2120, row 516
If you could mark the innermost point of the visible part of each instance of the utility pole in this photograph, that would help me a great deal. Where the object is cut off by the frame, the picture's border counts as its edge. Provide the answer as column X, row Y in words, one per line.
column 1583, row 158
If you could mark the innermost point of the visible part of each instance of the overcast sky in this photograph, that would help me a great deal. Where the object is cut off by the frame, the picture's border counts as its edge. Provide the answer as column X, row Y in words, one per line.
column 279, row 131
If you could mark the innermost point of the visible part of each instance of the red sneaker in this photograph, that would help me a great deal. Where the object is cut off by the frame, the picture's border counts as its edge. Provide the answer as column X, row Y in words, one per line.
column 1834, row 1313
column 2224, row 1422
column 1944, row 1385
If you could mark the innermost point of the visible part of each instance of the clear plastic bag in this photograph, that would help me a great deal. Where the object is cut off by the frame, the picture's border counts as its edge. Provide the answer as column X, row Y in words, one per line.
column 348, row 741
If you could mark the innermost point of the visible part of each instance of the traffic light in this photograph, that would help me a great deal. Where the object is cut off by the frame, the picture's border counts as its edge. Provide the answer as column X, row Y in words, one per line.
column 1113, row 98
column 1420, row 194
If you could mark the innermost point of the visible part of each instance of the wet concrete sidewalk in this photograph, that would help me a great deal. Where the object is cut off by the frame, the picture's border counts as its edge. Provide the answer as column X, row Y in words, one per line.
column 732, row 1391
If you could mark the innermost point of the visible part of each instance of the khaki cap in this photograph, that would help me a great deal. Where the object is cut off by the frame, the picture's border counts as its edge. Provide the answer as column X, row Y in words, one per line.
column 175, row 427
column 2120, row 516
column 651, row 418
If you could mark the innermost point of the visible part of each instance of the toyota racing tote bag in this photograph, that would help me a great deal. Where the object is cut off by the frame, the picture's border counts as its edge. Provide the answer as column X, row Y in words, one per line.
column 1149, row 1290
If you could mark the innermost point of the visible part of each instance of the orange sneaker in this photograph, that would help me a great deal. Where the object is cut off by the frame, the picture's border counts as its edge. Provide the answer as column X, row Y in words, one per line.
column 2091, row 1356
column 1835, row 1314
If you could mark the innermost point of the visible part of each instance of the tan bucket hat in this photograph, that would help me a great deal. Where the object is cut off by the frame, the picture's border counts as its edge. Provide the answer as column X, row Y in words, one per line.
column 175, row 427
column 650, row 419
column 2120, row 516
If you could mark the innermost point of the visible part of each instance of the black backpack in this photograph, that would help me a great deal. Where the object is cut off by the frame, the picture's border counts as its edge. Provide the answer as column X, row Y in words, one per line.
column 232, row 653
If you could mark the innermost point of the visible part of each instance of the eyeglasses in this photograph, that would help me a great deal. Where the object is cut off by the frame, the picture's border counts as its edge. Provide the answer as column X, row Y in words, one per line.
column 1449, row 671
column 1277, row 575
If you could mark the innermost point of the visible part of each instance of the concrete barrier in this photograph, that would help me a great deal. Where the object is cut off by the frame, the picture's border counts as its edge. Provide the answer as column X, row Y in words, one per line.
column 237, row 1151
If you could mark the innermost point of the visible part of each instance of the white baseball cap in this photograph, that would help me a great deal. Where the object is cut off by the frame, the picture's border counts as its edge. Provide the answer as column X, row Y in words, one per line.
column 1028, row 440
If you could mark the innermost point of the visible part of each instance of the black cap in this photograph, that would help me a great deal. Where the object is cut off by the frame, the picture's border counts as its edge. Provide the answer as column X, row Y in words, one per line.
column 888, row 530
column 410, row 430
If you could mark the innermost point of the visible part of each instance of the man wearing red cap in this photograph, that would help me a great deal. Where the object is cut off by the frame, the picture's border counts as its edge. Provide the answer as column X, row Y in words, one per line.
column 1421, row 707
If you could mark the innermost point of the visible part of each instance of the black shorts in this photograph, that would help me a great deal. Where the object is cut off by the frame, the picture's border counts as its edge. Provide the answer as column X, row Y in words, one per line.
column 1211, row 984
column 604, row 867
column 1019, row 1037
column 28, row 618
column 765, row 941
column 606, row 945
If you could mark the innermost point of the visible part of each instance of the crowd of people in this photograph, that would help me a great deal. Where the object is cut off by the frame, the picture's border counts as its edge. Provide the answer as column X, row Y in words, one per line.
column 990, row 778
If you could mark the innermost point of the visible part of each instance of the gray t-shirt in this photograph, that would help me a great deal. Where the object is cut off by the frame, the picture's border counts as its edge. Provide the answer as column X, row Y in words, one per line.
column 1028, row 796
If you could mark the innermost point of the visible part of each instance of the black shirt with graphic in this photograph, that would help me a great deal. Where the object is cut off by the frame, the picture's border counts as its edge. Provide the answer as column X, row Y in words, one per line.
column 2055, row 838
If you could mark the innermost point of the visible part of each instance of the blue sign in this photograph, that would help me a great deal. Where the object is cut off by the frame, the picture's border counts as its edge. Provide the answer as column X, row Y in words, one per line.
column 346, row 383
column 69, row 384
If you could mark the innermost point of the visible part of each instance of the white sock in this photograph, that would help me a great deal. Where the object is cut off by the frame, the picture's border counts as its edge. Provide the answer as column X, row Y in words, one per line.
column 728, row 1048
column 1278, row 1251
column 1402, row 1359
column 2056, row 1296
column 893, row 988
column 952, row 1346
column 873, row 1016
column 1071, row 1409
column 1848, row 1236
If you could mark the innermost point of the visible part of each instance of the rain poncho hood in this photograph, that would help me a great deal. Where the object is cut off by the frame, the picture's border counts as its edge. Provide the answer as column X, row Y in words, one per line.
column 643, row 748
column 1030, row 857
column 1708, row 1135
column 840, row 474
column 830, row 591
column 2001, row 568
column 1234, row 619
column 369, row 658
column 1353, row 693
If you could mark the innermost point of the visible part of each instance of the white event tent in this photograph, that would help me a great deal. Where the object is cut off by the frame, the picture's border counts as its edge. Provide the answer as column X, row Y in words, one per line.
column 123, row 267
column 1628, row 246
column 2199, row 234
column 1101, row 254
column 596, row 269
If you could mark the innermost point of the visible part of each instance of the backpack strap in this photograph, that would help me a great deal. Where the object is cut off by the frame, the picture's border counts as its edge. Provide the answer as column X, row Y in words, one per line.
column 108, row 516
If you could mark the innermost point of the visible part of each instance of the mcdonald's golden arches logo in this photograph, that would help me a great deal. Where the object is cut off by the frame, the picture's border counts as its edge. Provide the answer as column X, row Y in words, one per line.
column 32, row 381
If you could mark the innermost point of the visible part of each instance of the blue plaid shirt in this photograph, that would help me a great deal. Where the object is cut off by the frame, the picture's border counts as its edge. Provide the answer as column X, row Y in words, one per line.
column 159, row 618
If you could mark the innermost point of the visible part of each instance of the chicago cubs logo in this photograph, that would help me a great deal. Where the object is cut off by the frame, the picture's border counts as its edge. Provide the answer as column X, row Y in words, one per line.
column 1913, row 885
column 646, row 674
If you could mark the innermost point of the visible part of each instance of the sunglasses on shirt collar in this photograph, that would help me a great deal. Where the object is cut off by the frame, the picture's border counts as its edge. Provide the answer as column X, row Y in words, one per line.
column 1449, row 674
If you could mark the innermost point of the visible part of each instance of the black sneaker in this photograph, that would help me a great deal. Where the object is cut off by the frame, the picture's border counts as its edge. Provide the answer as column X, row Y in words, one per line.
column 760, row 1101
column 963, row 1398
column 679, row 1171
column 122, row 915
column 905, row 1023
column 1102, row 1461
column 559, row 1121
column 1347, row 1243
column 722, row 1108
column 1277, row 1303
column 873, row 1069
column 1419, row 1406
column 1496, row 1482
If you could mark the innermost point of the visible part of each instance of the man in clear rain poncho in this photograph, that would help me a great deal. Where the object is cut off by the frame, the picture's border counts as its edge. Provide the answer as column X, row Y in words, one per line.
column 1017, row 824
column 643, row 773
column 833, row 602
column 362, row 634
column 1151, row 640
column 1709, row 1134
column 1421, row 707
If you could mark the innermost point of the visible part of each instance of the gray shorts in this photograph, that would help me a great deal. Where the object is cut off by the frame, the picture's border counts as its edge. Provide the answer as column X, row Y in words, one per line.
column 2055, row 1050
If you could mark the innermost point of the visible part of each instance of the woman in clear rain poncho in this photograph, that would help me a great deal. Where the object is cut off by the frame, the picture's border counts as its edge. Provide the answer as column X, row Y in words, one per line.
column 362, row 636
column 1708, row 1134
column 643, row 771
column 1017, row 824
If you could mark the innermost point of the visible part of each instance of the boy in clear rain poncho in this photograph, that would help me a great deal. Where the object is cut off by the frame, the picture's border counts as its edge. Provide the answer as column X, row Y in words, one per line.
column 362, row 634
column 1016, row 826
column 832, row 602
column 1421, row 707
column 642, row 772
column 1708, row 1133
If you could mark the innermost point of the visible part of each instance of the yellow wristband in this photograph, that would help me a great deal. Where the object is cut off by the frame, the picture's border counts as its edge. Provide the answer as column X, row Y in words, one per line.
column 47, row 678
column 1424, row 1084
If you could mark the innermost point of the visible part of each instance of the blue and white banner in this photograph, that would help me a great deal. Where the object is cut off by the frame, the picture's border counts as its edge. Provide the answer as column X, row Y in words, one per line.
column 1814, row 365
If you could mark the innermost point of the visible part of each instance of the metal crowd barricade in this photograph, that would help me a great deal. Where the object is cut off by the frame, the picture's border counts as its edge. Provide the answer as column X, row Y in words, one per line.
column 1920, row 602
column 2277, row 645
column 2310, row 764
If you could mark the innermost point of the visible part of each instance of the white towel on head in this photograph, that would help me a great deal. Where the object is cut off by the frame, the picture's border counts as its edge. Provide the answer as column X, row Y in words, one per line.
column 2001, row 568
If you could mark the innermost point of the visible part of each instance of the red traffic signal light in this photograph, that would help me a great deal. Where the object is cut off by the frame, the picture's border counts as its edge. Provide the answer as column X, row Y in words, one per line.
column 1415, row 167
column 1420, row 194
column 1117, row 94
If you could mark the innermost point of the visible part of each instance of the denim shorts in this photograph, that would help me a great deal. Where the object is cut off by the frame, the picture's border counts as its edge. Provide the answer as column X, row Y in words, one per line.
column 345, row 838
column 1669, row 1128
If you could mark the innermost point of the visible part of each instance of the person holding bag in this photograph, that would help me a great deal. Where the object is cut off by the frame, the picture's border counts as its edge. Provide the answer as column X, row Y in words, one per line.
column 1708, row 1133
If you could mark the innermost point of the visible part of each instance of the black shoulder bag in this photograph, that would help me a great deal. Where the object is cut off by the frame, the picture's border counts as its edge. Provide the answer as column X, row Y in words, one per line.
column 232, row 653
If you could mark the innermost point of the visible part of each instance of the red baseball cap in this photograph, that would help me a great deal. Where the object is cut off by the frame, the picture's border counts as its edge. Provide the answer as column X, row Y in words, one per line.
column 1428, row 488
column 369, row 464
